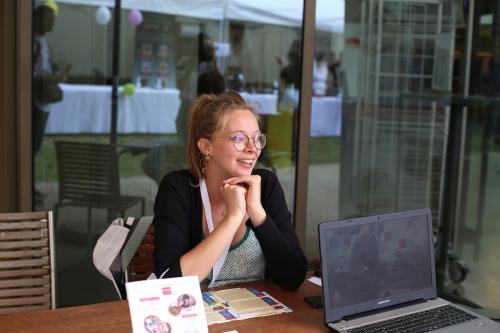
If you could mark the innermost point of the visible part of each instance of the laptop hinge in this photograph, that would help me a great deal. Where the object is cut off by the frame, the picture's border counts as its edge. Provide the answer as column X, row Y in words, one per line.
column 384, row 309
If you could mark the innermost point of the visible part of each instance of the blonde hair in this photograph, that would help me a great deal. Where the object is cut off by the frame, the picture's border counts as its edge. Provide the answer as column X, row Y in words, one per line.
column 208, row 114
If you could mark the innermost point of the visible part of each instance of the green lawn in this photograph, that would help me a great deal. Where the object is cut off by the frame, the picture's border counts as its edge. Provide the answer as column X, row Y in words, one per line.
column 322, row 150
column 45, row 168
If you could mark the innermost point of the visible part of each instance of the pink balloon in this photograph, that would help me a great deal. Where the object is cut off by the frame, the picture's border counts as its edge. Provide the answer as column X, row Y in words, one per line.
column 135, row 17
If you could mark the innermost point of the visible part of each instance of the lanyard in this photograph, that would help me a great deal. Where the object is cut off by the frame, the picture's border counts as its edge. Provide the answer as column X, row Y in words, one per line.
column 208, row 214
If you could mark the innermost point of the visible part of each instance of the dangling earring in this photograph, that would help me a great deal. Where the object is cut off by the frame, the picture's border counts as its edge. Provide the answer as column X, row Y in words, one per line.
column 204, row 159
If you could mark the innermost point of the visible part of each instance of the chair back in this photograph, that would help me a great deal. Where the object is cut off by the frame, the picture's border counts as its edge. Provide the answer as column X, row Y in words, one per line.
column 26, row 262
column 88, row 172
column 139, row 263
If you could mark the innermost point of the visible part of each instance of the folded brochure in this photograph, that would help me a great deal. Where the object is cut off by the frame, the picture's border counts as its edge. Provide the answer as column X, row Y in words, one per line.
column 240, row 303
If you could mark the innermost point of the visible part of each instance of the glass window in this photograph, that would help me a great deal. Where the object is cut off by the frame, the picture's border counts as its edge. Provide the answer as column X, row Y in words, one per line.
column 100, row 152
column 411, row 90
column 476, row 227
column 330, row 90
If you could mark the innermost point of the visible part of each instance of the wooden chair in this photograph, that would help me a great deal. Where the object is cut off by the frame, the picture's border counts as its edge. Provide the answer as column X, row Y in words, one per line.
column 27, row 279
column 89, row 177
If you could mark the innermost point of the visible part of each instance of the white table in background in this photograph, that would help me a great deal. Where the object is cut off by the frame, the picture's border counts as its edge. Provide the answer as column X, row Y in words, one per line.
column 266, row 103
column 87, row 109
column 326, row 116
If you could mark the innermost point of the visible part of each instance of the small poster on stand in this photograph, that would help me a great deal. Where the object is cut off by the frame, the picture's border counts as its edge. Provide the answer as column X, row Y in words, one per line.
column 154, row 54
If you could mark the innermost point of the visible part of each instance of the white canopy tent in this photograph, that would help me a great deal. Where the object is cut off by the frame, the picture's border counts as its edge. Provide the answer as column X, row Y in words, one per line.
column 275, row 17
column 329, row 13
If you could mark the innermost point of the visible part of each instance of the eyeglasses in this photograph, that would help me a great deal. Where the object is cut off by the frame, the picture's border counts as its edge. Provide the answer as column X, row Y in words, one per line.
column 241, row 140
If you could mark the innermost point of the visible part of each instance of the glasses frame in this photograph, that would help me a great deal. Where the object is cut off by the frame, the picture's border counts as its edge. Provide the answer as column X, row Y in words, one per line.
column 246, row 141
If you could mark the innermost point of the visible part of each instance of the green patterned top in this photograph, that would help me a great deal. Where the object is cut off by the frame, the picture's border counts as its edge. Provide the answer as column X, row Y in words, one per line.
column 244, row 263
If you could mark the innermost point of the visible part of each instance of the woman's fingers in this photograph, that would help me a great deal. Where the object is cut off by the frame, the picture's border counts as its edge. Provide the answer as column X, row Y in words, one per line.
column 251, row 183
column 234, row 198
column 253, row 207
column 250, row 180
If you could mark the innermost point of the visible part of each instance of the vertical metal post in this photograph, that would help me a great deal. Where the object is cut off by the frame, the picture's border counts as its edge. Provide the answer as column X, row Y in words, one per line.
column 24, row 73
column 457, row 217
column 468, row 50
column 304, row 120
column 115, row 71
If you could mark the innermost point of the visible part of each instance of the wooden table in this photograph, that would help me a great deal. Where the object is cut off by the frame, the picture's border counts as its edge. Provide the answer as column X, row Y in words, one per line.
column 115, row 317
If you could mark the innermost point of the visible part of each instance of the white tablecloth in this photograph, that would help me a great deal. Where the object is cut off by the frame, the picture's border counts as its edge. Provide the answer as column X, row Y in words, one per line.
column 326, row 116
column 265, row 103
column 87, row 109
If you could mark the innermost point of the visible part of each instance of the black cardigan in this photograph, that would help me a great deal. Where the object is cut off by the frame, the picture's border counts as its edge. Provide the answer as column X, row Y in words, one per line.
column 178, row 219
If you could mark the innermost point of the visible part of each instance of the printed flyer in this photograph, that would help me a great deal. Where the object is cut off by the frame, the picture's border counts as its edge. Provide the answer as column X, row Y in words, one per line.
column 240, row 303
column 166, row 305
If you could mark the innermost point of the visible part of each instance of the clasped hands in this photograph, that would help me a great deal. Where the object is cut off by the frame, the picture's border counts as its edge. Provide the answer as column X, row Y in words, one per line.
column 242, row 195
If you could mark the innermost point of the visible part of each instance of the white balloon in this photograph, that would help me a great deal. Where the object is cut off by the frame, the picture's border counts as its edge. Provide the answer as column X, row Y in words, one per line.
column 103, row 15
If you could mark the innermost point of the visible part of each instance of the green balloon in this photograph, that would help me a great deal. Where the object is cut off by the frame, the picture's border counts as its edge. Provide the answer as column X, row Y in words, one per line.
column 129, row 89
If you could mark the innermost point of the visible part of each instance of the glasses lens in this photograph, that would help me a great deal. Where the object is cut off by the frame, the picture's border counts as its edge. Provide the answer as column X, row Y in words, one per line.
column 260, row 141
column 240, row 141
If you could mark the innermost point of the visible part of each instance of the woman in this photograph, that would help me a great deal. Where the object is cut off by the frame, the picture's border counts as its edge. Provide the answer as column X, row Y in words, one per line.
column 221, row 220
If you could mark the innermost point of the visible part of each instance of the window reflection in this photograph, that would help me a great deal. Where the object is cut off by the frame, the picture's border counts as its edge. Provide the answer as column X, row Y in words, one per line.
column 407, row 71
column 168, row 56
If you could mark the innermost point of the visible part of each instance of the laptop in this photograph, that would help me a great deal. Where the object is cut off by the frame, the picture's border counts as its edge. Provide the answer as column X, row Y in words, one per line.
column 378, row 275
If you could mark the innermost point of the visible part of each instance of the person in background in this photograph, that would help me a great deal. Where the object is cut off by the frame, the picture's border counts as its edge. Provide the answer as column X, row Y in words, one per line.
column 184, row 69
column 164, row 158
column 320, row 76
column 45, row 80
column 237, row 58
column 333, row 67
column 290, row 75
column 210, row 80
column 221, row 219
column 288, row 94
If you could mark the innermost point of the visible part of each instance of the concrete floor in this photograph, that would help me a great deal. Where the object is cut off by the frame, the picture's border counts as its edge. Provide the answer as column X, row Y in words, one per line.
column 479, row 248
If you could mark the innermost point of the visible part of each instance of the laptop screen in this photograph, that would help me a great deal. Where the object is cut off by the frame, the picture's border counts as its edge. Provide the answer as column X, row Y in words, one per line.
column 373, row 262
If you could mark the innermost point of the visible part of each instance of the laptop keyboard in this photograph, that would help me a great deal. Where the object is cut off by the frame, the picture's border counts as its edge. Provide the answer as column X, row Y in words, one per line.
column 424, row 321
